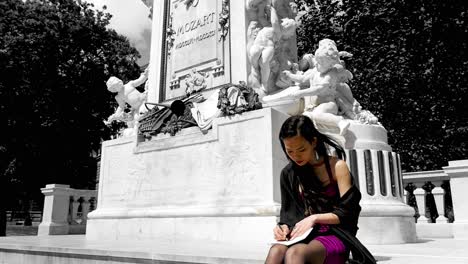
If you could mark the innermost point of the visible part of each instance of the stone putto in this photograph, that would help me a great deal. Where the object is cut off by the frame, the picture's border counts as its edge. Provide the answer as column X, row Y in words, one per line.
column 127, row 95
column 328, row 98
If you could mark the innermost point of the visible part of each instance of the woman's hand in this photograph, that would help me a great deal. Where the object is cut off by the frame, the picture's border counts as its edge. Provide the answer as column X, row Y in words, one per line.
column 281, row 232
column 303, row 226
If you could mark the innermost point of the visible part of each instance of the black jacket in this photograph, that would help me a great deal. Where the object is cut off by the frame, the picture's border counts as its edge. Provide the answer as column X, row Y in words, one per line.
column 347, row 209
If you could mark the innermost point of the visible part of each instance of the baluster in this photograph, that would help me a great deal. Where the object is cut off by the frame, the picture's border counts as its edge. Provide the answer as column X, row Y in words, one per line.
column 74, row 213
column 420, row 194
column 411, row 199
column 438, row 193
column 85, row 209
column 70, row 210
column 448, row 205
column 431, row 208
column 80, row 210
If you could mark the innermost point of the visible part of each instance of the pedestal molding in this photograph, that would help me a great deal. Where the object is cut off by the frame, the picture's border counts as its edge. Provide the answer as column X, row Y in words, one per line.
column 198, row 211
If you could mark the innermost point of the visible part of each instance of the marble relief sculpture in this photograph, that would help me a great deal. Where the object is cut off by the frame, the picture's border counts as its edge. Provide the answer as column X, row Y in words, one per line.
column 269, row 46
column 256, row 11
column 195, row 82
column 127, row 94
column 328, row 98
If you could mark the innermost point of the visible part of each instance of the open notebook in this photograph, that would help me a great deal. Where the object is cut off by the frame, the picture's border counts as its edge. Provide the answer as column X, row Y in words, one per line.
column 294, row 241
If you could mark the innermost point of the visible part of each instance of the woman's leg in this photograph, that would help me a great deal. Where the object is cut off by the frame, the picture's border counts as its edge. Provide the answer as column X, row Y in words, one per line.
column 313, row 253
column 276, row 254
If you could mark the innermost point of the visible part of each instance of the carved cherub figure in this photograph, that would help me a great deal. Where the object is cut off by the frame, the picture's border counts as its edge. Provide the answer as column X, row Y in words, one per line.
column 261, row 53
column 322, row 82
column 256, row 10
column 127, row 95
column 324, row 79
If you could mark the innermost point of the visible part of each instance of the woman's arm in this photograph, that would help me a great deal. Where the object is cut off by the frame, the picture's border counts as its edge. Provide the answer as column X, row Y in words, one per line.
column 343, row 178
column 348, row 207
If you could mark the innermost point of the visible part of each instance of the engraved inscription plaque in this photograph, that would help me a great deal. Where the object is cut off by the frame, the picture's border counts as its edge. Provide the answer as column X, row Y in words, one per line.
column 196, row 55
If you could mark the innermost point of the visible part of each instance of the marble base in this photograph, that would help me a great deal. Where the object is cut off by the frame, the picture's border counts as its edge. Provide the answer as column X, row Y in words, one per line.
column 432, row 230
column 361, row 136
column 222, row 185
column 386, row 230
column 460, row 230
column 177, row 230
column 386, row 223
column 289, row 107
column 46, row 229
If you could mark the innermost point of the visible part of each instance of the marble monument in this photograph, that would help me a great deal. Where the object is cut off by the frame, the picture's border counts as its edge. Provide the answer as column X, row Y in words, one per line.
column 222, row 184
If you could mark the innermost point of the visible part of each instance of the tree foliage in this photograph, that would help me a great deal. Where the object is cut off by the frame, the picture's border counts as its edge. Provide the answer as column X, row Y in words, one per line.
column 409, row 65
column 55, row 57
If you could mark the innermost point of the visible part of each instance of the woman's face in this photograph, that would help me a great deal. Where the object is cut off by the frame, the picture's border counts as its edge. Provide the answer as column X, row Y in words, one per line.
column 299, row 149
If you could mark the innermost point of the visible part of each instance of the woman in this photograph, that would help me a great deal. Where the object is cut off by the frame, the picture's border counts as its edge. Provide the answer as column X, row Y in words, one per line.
column 316, row 191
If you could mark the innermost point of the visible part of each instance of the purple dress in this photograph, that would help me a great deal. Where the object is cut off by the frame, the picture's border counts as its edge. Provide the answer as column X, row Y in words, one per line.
column 336, row 251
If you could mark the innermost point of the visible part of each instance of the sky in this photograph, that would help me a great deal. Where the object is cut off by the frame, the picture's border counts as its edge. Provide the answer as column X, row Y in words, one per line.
column 130, row 18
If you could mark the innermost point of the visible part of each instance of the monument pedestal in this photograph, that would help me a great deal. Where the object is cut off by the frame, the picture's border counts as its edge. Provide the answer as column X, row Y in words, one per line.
column 224, row 186
column 218, row 186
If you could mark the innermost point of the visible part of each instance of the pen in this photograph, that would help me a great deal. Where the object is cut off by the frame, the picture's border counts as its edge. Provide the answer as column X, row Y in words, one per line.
column 287, row 236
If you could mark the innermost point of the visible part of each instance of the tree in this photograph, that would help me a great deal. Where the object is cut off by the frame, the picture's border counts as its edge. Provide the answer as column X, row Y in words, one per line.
column 409, row 66
column 55, row 56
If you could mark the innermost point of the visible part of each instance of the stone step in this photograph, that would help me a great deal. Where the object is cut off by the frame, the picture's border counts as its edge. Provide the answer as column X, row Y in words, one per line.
column 77, row 249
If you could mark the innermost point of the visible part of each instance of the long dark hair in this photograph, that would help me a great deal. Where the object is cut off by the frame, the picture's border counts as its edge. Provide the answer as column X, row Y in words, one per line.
column 300, row 125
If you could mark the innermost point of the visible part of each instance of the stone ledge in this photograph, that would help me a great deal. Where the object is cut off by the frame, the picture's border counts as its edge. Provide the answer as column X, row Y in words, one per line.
column 193, row 135
column 78, row 249
column 184, row 211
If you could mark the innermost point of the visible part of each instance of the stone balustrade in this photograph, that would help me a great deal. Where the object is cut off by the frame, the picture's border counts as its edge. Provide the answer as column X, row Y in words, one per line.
column 428, row 192
column 437, row 197
column 65, row 210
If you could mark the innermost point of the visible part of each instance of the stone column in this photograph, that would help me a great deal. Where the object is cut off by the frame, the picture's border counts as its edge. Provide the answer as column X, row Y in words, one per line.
column 457, row 171
column 55, row 213
column 385, row 218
